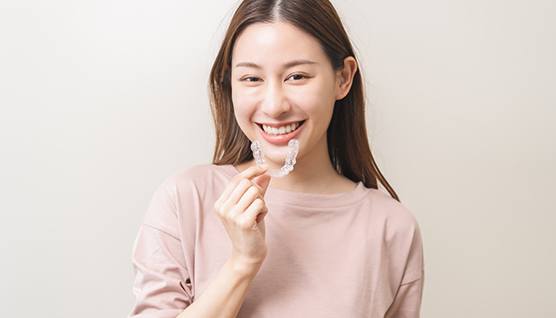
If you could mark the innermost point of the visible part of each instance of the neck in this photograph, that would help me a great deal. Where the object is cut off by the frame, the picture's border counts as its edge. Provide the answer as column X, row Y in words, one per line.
column 307, row 176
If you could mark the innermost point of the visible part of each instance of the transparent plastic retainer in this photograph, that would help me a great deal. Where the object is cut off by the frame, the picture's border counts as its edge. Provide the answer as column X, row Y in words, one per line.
column 293, row 149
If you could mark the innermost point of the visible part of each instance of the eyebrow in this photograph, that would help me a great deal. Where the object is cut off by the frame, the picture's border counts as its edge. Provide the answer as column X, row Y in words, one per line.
column 287, row 65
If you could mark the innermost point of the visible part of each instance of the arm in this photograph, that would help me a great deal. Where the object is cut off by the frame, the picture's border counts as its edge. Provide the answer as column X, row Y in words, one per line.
column 225, row 294
column 408, row 297
column 238, row 207
column 162, row 269
column 160, row 277
column 159, row 286
column 407, row 302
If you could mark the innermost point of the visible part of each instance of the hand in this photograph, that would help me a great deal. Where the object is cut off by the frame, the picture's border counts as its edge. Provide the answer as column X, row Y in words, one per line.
column 241, row 208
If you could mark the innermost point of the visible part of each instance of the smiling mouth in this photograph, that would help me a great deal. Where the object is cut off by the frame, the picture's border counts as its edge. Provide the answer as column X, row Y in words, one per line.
column 297, row 128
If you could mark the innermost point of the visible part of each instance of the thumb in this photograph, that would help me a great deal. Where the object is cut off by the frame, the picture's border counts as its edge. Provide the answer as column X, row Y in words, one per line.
column 262, row 181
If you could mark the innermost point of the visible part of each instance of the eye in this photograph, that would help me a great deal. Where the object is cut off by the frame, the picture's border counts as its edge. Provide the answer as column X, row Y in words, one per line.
column 245, row 79
column 253, row 79
column 299, row 76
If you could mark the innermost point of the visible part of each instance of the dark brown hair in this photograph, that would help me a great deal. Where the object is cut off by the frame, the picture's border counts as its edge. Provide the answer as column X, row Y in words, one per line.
column 348, row 146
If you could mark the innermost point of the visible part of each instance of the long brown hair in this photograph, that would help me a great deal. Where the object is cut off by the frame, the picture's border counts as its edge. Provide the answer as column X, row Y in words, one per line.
column 348, row 146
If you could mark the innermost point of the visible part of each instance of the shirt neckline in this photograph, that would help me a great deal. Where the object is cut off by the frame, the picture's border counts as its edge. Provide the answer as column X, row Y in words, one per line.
column 305, row 199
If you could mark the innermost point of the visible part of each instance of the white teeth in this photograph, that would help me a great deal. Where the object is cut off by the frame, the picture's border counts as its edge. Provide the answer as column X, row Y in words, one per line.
column 281, row 130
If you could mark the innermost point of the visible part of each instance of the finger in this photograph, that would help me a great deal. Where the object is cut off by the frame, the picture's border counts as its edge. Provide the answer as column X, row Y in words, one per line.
column 248, row 197
column 236, row 194
column 247, row 173
column 250, row 215
column 261, row 215
column 254, row 171
column 262, row 182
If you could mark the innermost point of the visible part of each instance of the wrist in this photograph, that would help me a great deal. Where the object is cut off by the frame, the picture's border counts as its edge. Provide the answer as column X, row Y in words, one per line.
column 245, row 267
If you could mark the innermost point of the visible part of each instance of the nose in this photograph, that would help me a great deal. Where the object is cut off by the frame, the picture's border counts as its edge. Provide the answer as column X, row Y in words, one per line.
column 275, row 102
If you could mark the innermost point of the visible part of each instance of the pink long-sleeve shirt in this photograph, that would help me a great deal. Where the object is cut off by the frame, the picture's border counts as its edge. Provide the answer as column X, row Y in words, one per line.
column 351, row 254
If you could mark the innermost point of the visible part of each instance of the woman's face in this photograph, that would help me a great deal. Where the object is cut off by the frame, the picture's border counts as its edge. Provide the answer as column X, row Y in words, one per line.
column 270, row 91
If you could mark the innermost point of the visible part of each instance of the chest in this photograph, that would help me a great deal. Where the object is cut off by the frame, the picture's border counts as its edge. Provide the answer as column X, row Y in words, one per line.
column 330, row 267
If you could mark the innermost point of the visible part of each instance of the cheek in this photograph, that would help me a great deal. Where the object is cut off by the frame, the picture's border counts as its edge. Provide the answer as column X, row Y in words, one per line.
column 243, row 112
column 242, row 117
column 243, row 100
column 243, row 105
column 315, row 98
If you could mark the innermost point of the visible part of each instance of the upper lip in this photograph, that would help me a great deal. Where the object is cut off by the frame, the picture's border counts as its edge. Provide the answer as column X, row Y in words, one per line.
column 281, row 124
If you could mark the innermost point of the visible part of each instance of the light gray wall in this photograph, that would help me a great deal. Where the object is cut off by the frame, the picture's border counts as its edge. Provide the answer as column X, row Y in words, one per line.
column 101, row 100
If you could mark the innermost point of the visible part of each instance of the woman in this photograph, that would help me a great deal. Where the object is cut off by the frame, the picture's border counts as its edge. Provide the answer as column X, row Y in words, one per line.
column 227, row 240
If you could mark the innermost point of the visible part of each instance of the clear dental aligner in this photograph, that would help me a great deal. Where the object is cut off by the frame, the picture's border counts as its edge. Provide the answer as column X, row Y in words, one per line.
column 293, row 149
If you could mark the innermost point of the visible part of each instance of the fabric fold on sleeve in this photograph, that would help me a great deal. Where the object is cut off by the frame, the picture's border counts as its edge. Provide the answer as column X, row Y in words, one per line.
column 407, row 302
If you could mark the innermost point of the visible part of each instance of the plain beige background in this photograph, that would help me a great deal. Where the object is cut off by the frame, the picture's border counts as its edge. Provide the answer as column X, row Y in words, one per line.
column 101, row 100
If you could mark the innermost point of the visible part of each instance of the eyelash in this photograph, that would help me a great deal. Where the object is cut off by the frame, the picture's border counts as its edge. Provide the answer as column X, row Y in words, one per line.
column 245, row 78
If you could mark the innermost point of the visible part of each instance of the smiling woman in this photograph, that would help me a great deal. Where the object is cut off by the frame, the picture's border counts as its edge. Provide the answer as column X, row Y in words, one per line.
column 227, row 239
column 291, row 68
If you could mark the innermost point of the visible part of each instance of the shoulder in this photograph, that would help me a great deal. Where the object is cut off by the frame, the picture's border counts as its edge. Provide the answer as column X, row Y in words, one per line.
column 397, row 219
column 401, row 234
column 196, row 179
column 177, row 190
column 196, row 173
column 185, row 190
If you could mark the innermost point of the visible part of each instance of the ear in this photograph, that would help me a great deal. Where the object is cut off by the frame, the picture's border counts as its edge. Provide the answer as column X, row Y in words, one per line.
column 344, row 77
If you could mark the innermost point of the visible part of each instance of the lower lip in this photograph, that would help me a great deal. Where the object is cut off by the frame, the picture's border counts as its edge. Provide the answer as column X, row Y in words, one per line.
column 281, row 139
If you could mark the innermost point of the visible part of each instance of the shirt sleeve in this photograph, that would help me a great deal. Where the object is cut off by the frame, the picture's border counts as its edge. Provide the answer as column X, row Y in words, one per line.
column 162, row 285
column 408, row 298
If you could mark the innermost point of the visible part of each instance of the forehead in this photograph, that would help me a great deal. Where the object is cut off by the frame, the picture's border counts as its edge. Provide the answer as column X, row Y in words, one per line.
column 275, row 43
